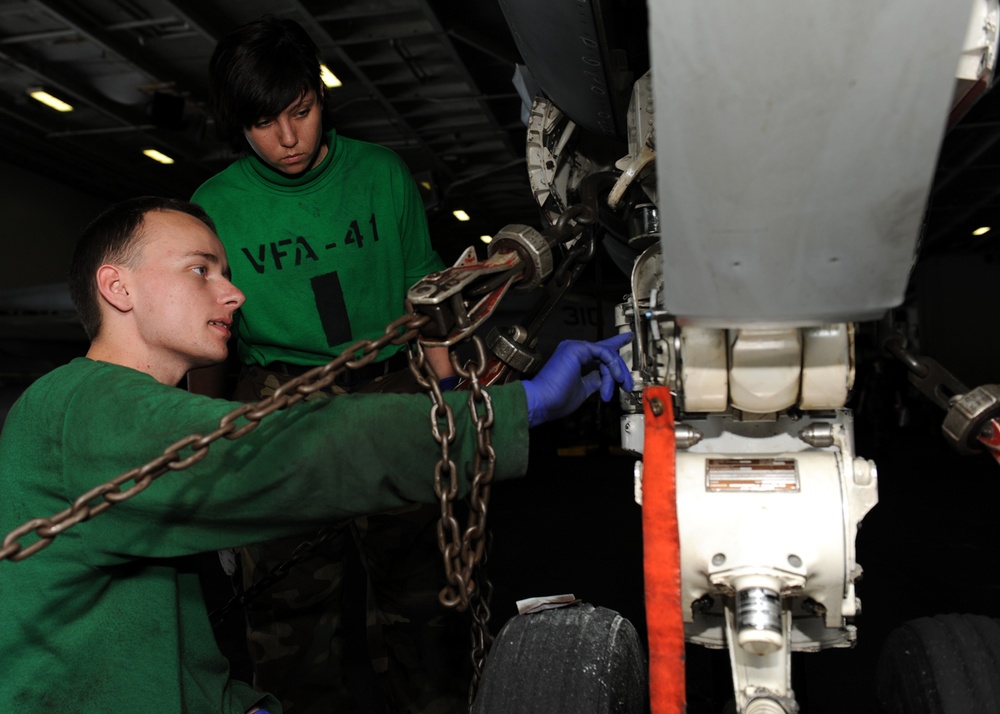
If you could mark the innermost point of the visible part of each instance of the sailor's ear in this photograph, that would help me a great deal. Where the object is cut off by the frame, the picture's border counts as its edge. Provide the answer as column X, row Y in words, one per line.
column 111, row 284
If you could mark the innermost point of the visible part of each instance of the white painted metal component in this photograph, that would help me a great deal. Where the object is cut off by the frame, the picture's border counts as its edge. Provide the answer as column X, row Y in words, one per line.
column 637, row 482
column 758, row 507
column 641, row 143
column 633, row 432
column 761, row 681
column 767, row 705
column 827, row 366
column 755, row 504
column 980, row 50
column 796, row 143
column 795, row 147
column 704, row 380
column 757, row 621
column 559, row 156
column 743, row 515
column 764, row 369
column 653, row 360
column 641, row 126
column 768, row 511
column 548, row 170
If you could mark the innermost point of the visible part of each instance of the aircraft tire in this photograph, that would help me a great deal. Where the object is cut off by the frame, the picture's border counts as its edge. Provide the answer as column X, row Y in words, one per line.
column 946, row 664
column 579, row 659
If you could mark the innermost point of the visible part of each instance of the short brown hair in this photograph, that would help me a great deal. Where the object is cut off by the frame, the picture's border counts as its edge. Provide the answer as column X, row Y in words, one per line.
column 257, row 70
column 115, row 236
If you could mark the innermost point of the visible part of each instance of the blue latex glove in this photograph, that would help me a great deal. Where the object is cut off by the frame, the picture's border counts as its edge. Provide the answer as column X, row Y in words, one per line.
column 448, row 384
column 575, row 371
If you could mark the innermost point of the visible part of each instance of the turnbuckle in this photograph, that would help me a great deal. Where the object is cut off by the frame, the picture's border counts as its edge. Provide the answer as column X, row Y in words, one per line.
column 457, row 300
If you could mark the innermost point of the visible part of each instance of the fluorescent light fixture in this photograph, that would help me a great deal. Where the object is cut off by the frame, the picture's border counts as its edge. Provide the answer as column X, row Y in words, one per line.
column 486, row 238
column 328, row 77
column 48, row 100
column 981, row 231
column 461, row 215
column 158, row 156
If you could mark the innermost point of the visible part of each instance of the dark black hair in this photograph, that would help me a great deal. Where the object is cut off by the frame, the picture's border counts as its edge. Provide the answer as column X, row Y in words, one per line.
column 257, row 70
column 115, row 237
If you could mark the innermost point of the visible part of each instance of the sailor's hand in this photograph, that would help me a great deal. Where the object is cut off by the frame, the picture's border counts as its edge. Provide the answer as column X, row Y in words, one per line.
column 576, row 370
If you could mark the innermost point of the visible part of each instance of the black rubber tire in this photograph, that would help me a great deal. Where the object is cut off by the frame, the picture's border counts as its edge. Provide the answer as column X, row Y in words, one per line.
column 946, row 664
column 571, row 660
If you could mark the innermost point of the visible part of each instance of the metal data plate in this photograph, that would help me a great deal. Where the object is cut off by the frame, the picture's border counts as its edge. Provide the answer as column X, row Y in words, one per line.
column 757, row 475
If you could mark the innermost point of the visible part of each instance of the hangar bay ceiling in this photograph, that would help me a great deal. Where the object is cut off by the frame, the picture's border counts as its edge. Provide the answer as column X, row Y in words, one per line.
column 430, row 79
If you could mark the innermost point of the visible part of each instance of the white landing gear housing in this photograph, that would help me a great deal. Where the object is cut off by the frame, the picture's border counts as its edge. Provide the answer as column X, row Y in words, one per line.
column 767, row 529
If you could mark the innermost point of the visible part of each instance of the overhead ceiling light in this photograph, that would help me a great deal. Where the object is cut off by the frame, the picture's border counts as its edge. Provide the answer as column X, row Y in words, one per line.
column 981, row 231
column 48, row 100
column 486, row 238
column 328, row 77
column 461, row 215
column 158, row 156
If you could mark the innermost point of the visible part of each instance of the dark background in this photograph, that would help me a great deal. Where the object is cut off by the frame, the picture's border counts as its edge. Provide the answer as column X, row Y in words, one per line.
column 431, row 79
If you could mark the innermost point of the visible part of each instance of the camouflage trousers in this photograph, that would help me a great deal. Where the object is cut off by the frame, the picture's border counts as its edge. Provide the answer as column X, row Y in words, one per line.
column 357, row 626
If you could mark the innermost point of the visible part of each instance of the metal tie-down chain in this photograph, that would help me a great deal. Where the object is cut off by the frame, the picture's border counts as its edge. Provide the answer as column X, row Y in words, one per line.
column 112, row 492
column 278, row 572
column 463, row 552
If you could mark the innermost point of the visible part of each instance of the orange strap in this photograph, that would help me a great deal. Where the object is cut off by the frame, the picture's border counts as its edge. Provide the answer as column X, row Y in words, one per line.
column 661, row 555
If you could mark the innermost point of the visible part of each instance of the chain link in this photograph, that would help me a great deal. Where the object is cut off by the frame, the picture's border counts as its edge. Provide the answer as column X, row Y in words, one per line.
column 482, row 638
column 278, row 572
column 464, row 552
column 397, row 332
column 460, row 550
